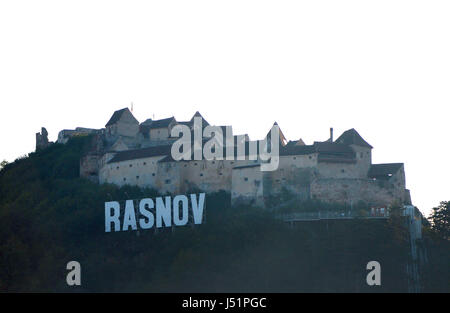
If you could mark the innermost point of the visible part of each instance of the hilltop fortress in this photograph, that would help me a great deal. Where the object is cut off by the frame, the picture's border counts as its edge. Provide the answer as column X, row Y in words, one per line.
column 335, row 170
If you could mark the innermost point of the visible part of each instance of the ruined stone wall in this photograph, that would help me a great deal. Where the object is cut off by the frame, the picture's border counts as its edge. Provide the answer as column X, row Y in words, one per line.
column 42, row 139
column 89, row 167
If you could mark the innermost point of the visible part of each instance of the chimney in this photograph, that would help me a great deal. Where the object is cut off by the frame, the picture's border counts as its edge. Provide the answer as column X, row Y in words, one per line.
column 331, row 134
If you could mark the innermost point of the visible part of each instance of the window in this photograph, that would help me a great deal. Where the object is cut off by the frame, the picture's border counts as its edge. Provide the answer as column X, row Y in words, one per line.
column 153, row 174
column 117, row 167
column 245, row 178
column 131, row 165
column 342, row 171
column 310, row 157
column 195, row 163
column 124, row 179
column 137, row 177
column 201, row 174
column 145, row 163
column 167, row 181
column 361, row 155
column 295, row 158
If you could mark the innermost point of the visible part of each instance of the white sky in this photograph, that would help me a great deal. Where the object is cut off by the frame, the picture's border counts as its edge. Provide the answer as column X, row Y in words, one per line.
column 381, row 67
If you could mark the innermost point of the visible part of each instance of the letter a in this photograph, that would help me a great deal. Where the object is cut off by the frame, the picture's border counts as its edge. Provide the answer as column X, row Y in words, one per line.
column 73, row 278
column 374, row 276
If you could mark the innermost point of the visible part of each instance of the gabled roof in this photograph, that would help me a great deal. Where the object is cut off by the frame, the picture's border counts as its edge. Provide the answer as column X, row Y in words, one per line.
column 283, row 141
column 292, row 149
column 351, row 137
column 197, row 114
column 384, row 171
column 161, row 123
column 147, row 122
column 141, row 153
column 117, row 116
column 331, row 152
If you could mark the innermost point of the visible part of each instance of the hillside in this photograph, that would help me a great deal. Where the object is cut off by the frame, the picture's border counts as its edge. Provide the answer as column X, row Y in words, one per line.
column 49, row 216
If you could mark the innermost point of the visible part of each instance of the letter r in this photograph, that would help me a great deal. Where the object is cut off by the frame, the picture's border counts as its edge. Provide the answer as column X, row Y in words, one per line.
column 112, row 218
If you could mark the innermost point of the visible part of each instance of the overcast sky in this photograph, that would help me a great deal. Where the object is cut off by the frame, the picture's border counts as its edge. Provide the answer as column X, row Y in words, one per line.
column 381, row 67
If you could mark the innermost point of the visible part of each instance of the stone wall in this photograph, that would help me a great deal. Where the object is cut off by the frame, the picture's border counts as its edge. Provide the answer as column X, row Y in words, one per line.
column 42, row 139
column 168, row 177
column 159, row 134
column 351, row 191
column 126, row 126
column 89, row 167
column 247, row 186
column 139, row 172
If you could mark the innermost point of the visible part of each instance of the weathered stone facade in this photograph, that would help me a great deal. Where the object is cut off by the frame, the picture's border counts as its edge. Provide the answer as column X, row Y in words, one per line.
column 126, row 152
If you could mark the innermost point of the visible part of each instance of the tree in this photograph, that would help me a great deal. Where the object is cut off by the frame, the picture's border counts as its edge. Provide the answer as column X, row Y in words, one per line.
column 3, row 164
column 440, row 220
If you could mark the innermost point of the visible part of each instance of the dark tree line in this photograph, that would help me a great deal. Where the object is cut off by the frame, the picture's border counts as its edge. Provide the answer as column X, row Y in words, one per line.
column 49, row 216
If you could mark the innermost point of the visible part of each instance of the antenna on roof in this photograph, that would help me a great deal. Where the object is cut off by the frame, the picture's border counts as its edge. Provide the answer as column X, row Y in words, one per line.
column 131, row 106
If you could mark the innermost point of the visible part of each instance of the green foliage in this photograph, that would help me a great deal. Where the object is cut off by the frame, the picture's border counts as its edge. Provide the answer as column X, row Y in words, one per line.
column 3, row 164
column 440, row 220
column 49, row 216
